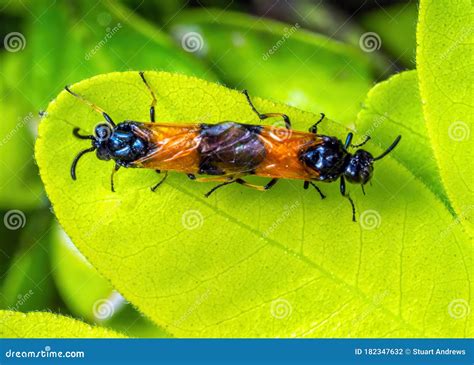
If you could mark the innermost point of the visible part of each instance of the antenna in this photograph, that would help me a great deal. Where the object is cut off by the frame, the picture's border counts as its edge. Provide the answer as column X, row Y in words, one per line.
column 388, row 150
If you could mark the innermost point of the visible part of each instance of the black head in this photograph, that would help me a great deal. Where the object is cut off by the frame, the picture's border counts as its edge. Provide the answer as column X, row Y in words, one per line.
column 359, row 166
column 103, row 132
column 113, row 142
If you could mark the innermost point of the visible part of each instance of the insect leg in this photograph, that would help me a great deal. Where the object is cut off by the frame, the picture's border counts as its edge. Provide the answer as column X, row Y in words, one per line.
column 217, row 187
column 267, row 115
column 268, row 186
column 214, row 179
column 308, row 183
column 92, row 105
column 153, row 102
column 154, row 187
column 367, row 139
column 116, row 168
column 348, row 140
column 342, row 188
column 314, row 127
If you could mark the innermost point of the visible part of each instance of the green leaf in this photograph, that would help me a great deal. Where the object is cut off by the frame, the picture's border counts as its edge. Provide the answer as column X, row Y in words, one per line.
column 20, row 187
column 28, row 283
column 90, row 296
column 244, row 263
column 98, row 40
column 279, row 61
column 393, row 107
column 396, row 27
column 444, row 60
column 48, row 325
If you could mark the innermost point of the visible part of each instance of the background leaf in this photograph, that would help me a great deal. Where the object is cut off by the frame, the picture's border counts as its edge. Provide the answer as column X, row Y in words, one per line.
column 48, row 325
column 396, row 26
column 20, row 186
column 445, row 53
column 28, row 284
column 282, row 62
column 242, row 263
column 394, row 107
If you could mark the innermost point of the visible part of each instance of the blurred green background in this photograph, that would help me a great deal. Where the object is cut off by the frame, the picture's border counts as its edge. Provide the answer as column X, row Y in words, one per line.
column 316, row 55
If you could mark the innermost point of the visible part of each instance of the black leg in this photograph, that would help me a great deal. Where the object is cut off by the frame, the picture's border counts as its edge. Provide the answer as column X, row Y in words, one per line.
column 191, row 176
column 217, row 187
column 154, row 187
column 342, row 187
column 116, row 168
column 363, row 189
column 367, row 139
column 270, row 184
column 314, row 127
column 153, row 102
column 265, row 187
column 308, row 183
column 267, row 115
column 348, row 140
column 92, row 105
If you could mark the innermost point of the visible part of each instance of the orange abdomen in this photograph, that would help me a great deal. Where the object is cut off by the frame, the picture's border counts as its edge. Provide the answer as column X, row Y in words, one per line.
column 226, row 148
column 282, row 153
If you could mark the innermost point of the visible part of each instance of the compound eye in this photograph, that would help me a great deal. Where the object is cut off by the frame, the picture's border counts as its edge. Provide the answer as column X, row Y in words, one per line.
column 103, row 131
